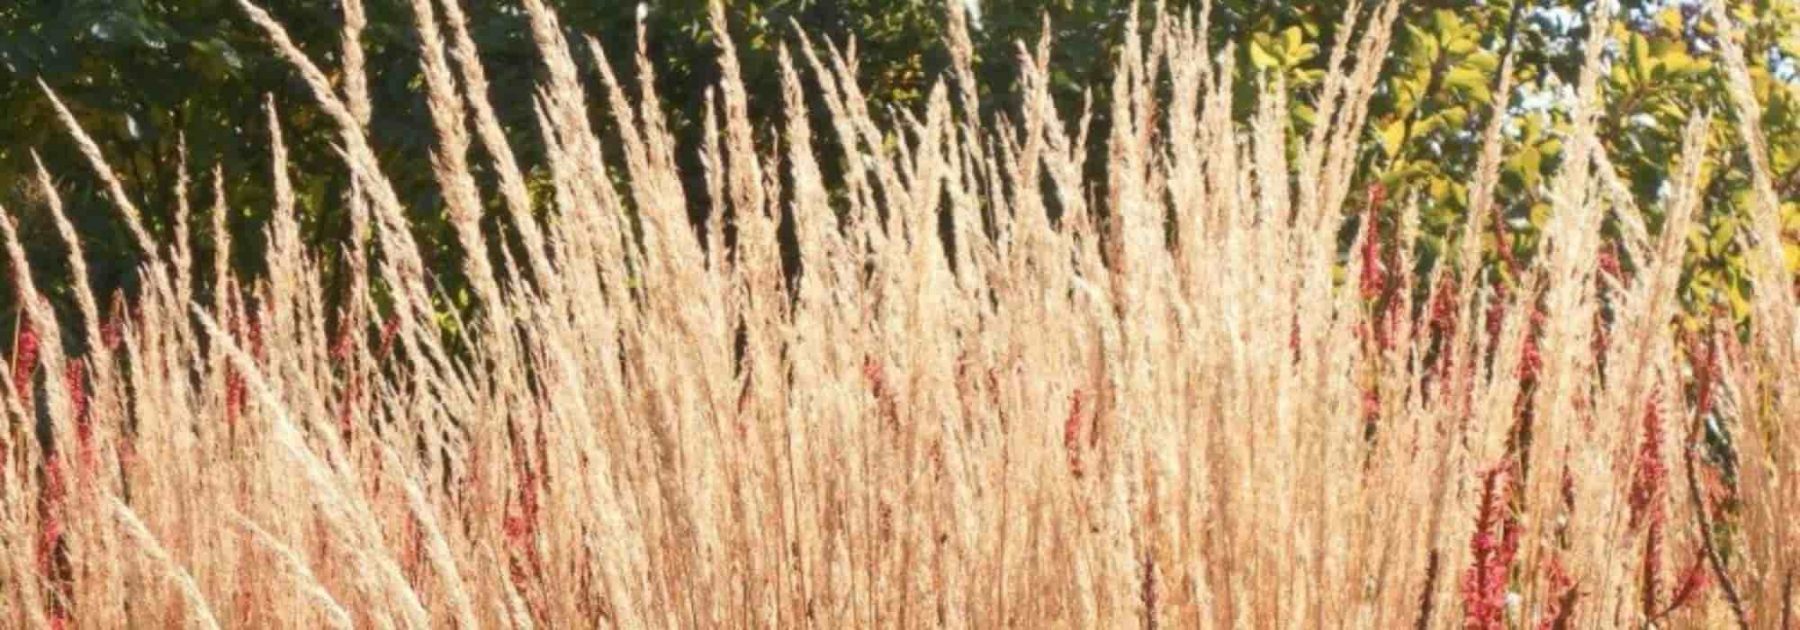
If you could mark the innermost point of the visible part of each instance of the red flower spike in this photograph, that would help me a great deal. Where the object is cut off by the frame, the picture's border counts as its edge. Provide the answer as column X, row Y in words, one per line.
column 25, row 360
column 1561, row 605
column 1494, row 544
column 1072, row 432
column 1693, row 582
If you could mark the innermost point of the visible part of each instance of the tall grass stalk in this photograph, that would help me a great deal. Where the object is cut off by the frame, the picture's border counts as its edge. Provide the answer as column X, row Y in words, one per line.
column 989, row 389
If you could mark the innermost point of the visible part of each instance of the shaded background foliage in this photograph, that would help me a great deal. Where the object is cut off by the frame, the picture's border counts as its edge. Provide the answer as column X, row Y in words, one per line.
column 144, row 76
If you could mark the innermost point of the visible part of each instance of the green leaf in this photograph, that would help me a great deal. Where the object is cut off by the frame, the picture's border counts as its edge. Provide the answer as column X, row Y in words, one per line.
column 1470, row 81
column 1640, row 57
column 1527, row 164
column 1483, row 61
column 1260, row 57
column 1391, row 137
column 1446, row 24
column 1722, row 235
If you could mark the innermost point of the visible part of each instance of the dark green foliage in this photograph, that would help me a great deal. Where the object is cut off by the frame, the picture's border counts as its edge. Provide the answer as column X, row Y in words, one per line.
column 143, row 74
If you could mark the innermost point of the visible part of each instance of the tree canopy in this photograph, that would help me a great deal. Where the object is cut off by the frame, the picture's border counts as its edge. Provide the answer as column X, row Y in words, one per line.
column 167, row 86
